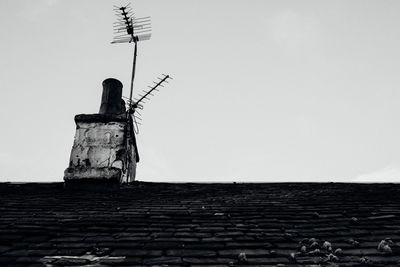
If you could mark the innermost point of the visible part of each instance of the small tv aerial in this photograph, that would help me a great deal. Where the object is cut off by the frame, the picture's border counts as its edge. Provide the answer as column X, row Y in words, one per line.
column 131, row 29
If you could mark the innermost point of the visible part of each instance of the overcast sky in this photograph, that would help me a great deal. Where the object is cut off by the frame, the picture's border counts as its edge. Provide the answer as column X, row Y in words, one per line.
column 263, row 90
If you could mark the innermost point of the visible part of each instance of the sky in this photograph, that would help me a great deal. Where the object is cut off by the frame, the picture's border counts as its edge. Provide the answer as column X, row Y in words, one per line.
column 263, row 90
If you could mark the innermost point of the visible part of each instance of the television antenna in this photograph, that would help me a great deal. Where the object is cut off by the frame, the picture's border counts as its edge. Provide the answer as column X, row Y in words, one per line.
column 131, row 29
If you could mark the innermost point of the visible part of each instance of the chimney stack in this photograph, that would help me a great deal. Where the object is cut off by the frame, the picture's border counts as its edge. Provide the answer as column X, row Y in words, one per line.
column 101, row 152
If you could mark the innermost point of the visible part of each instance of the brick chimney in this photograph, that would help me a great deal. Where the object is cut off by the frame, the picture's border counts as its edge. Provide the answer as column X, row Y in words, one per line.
column 101, row 151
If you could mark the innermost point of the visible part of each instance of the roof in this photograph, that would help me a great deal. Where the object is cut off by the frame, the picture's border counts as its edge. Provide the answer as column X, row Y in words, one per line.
column 168, row 224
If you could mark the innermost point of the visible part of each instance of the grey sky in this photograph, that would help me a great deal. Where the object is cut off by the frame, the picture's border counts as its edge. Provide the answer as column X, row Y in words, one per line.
column 262, row 90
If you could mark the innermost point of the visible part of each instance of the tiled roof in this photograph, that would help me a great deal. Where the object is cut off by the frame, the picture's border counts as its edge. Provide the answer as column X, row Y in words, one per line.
column 169, row 224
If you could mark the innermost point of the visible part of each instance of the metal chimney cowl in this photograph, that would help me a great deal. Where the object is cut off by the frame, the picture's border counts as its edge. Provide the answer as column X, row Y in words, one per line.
column 100, row 152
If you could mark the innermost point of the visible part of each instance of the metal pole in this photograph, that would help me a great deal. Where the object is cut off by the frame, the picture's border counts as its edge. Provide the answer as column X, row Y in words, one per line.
column 133, row 75
column 129, row 118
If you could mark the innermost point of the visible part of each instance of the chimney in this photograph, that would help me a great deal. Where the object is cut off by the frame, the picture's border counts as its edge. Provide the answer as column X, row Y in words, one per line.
column 101, row 152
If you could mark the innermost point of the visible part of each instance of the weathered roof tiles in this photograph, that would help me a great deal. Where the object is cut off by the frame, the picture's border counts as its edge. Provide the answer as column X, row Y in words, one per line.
column 200, row 224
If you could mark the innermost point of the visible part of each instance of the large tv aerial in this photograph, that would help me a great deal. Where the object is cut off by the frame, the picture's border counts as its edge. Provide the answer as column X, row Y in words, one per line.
column 131, row 29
